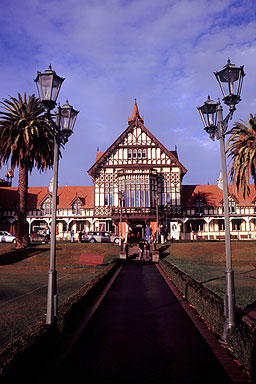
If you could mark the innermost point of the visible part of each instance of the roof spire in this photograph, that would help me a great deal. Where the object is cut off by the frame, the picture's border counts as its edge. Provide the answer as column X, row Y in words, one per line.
column 135, row 113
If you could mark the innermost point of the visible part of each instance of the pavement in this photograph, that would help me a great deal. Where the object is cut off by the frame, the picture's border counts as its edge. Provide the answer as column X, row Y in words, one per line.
column 144, row 332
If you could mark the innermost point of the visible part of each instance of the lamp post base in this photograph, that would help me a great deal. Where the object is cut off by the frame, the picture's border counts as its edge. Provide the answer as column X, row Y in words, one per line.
column 229, row 304
column 52, row 298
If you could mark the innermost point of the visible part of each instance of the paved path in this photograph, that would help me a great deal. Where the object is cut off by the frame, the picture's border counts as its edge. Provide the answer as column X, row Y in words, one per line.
column 142, row 334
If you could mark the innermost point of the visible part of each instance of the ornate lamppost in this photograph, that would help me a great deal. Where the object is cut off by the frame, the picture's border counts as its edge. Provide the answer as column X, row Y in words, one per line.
column 48, row 85
column 230, row 79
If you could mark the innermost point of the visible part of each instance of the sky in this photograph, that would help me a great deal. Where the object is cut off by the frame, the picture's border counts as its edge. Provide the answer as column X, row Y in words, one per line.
column 161, row 52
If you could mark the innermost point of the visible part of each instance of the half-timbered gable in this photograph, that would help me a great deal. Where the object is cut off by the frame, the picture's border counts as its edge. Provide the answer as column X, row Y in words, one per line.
column 140, row 167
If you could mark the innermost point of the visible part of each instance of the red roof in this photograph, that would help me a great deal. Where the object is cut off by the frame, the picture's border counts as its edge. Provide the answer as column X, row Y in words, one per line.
column 36, row 195
column 213, row 196
column 135, row 113
column 99, row 154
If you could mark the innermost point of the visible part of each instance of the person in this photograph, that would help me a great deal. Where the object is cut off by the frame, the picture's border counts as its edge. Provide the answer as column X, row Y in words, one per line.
column 132, row 238
column 80, row 236
column 148, row 233
column 129, row 238
column 47, row 235
column 72, row 236
column 141, row 249
column 147, row 251
column 138, row 237
column 162, row 233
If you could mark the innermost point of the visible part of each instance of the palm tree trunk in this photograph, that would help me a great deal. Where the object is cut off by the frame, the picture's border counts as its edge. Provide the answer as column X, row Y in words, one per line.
column 22, row 234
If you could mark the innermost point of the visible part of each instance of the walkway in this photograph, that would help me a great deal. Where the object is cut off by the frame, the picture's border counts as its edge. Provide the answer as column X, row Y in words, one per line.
column 142, row 334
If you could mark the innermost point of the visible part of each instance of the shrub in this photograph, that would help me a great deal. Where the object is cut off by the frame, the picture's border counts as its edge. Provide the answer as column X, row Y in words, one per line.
column 241, row 339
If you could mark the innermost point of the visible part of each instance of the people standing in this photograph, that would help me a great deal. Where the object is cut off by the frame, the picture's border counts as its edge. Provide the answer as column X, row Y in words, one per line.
column 72, row 236
column 148, row 233
column 47, row 235
column 141, row 249
column 162, row 233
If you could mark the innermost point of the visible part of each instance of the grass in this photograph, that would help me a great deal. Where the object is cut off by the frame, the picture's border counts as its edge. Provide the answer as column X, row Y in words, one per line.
column 24, row 275
column 24, row 279
column 205, row 262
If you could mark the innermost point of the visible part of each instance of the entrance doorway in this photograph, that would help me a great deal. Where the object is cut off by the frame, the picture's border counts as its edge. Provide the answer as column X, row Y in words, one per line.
column 137, row 230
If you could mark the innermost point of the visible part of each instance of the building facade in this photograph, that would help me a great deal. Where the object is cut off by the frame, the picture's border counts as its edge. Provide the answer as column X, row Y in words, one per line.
column 136, row 181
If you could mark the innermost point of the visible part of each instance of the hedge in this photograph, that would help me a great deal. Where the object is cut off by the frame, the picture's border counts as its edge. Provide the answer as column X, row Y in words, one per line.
column 35, row 350
column 241, row 339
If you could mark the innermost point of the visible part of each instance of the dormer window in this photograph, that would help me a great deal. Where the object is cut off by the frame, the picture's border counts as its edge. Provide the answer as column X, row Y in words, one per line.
column 231, row 205
column 46, row 207
column 199, row 206
column 76, row 208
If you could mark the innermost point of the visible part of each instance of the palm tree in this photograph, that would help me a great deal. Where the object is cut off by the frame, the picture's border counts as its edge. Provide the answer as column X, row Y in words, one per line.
column 241, row 148
column 27, row 139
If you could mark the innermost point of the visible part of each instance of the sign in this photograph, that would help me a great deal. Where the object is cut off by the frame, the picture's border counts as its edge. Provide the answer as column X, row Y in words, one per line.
column 174, row 230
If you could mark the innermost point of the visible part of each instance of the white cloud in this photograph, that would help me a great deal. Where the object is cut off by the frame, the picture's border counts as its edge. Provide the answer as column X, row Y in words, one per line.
column 161, row 52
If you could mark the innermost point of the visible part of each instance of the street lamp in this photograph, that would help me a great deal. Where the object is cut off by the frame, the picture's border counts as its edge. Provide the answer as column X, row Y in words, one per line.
column 230, row 79
column 121, row 200
column 48, row 85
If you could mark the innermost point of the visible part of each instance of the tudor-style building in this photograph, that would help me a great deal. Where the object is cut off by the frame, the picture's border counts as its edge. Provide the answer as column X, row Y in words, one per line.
column 137, row 180
column 143, row 172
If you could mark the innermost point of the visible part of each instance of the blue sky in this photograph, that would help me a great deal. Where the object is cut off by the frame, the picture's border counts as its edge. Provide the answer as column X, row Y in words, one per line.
column 161, row 52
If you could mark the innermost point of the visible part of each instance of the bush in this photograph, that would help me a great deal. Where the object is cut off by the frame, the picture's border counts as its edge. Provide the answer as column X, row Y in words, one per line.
column 35, row 351
column 241, row 340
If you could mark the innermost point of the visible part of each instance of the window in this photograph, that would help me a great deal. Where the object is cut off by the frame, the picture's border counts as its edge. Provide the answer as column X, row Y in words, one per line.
column 144, row 153
column 139, row 154
column 76, row 208
column 108, row 198
column 46, row 207
column 136, row 189
column 129, row 154
column 231, row 206
column 199, row 207
column 134, row 154
column 166, row 193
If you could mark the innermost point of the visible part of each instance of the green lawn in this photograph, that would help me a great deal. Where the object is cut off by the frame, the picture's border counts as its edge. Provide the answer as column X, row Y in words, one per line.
column 205, row 262
column 24, row 278
column 24, row 275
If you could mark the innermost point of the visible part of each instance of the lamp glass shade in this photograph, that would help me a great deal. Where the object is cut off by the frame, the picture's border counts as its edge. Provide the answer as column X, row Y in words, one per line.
column 230, row 79
column 68, row 117
column 48, row 85
column 208, row 113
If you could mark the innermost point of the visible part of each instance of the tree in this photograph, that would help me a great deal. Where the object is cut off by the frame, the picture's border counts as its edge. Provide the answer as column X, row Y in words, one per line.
column 241, row 148
column 27, row 139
